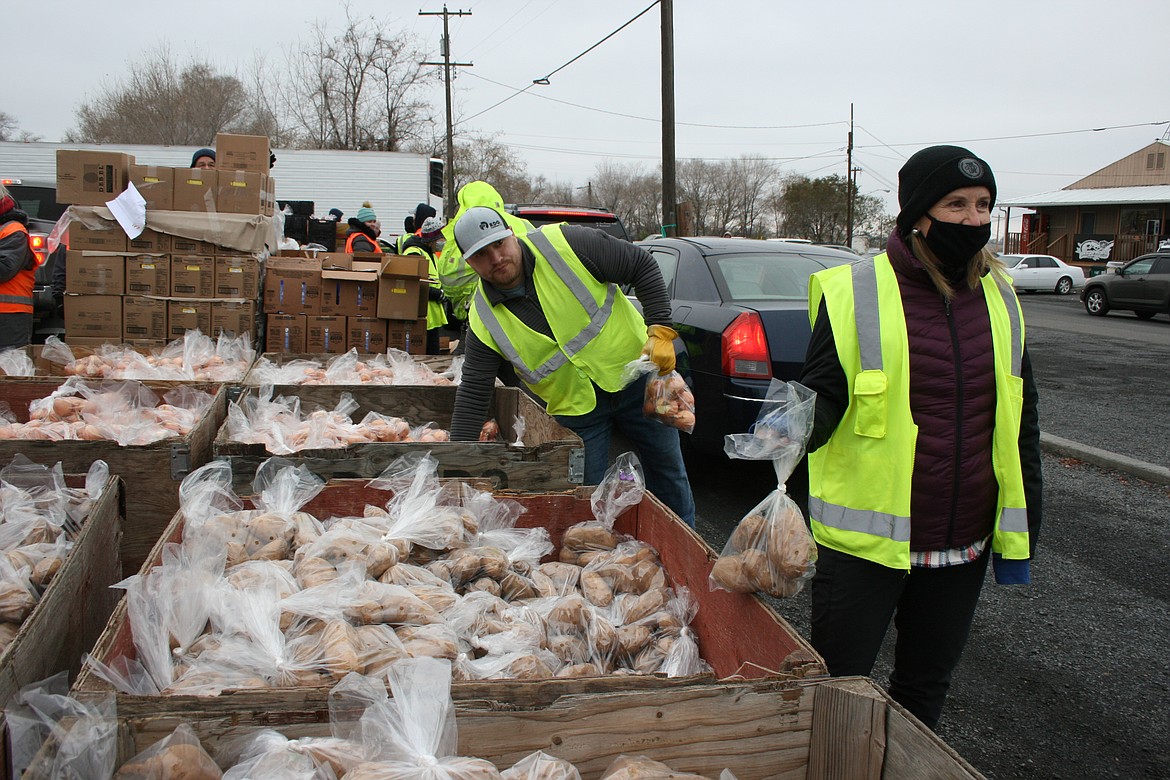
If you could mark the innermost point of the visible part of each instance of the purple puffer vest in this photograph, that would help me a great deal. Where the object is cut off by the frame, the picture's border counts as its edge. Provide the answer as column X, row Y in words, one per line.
column 952, row 400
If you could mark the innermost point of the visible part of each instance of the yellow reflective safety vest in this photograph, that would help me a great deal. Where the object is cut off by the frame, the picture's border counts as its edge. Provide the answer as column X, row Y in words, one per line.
column 597, row 330
column 436, row 314
column 860, row 480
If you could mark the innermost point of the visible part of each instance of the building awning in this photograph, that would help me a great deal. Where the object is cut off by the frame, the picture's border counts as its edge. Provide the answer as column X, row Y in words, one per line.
column 1101, row 196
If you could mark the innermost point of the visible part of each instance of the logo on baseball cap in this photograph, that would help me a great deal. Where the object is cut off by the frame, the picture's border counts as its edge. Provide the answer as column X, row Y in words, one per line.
column 479, row 227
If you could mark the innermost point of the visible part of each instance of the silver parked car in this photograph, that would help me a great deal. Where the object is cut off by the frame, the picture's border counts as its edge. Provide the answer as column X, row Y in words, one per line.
column 1043, row 273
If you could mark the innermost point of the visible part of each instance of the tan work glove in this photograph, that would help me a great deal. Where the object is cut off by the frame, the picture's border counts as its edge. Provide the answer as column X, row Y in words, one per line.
column 660, row 347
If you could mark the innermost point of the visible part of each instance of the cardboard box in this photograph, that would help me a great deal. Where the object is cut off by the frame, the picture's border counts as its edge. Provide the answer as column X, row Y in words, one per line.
column 285, row 333
column 192, row 276
column 191, row 246
column 242, row 153
column 148, row 275
column 325, row 334
column 270, row 197
column 183, row 316
column 237, row 276
column 241, row 192
column 113, row 239
column 292, row 285
column 90, row 178
column 195, row 189
column 408, row 335
column 366, row 334
column 349, row 293
column 95, row 273
column 151, row 242
column 233, row 318
column 402, row 291
column 94, row 317
column 156, row 184
column 144, row 318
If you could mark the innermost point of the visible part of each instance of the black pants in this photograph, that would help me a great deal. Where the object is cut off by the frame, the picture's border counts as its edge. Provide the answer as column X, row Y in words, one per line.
column 15, row 329
column 853, row 601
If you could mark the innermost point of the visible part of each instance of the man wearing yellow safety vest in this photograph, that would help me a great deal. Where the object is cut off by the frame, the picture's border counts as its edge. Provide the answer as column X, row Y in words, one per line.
column 18, row 263
column 549, row 304
column 427, row 243
column 924, row 460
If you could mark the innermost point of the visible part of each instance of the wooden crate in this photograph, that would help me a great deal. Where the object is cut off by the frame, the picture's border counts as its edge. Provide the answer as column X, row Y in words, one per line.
column 437, row 363
column 151, row 472
column 552, row 458
column 740, row 635
column 843, row 728
column 74, row 609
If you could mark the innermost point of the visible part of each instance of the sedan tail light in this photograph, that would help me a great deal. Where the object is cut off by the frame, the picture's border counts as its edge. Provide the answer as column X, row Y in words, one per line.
column 745, row 348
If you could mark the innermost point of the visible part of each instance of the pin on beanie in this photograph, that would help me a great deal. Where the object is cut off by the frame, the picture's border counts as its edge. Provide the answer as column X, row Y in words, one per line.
column 933, row 172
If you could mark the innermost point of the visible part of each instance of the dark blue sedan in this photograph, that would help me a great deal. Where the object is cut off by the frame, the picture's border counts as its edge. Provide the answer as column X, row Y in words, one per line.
column 740, row 307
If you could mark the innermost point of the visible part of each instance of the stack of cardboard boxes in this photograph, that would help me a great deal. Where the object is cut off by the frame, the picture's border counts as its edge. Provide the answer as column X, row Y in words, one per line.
column 154, row 288
column 332, row 302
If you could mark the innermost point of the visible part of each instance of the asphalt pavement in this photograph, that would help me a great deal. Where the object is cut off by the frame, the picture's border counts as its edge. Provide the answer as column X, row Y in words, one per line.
column 1067, row 677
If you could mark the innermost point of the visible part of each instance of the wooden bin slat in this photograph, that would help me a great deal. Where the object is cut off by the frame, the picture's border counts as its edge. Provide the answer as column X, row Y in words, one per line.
column 545, row 462
column 151, row 472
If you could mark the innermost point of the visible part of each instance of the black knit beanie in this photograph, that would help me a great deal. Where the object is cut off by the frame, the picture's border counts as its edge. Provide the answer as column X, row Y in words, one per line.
column 202, row 153
column 933, row 172
column 421, row 212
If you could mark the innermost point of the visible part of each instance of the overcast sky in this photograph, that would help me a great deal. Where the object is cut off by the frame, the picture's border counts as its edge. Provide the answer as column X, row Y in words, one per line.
column 1015, row 81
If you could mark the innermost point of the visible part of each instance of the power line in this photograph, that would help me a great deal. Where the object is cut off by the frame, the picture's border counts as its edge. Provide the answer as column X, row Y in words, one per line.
column 1027, row 135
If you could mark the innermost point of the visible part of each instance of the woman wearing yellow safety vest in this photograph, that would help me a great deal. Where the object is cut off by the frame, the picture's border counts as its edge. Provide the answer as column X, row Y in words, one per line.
column 18, row 263
column 428, row 242
column 924, row 460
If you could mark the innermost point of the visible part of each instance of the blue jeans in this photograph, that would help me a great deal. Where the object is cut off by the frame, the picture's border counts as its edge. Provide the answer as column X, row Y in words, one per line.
column 657, row 445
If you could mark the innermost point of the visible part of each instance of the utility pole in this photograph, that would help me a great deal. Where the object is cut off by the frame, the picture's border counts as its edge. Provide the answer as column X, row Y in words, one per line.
column 449, row 164
column 669, row 198
column 849, row 184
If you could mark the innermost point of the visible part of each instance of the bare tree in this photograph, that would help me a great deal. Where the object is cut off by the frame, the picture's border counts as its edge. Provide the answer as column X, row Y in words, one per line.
column 8, row 126
column 359, row 89
column 161, row 102
column 485, row 158
column 631, row 193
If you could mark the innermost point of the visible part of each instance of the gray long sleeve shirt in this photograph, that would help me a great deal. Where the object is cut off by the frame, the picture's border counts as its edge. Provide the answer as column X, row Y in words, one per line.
column 608, row 259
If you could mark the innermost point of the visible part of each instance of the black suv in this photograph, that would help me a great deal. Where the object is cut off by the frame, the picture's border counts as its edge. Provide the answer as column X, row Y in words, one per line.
column 1141, row 286
column 547, row 214
column 39, row 201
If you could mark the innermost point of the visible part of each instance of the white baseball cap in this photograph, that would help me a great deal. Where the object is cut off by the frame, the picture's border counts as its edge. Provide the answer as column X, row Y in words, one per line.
column 478, row 227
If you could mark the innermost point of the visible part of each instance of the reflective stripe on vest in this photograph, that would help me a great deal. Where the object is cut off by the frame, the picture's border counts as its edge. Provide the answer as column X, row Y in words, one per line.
column 597, row 316
column 861, row 531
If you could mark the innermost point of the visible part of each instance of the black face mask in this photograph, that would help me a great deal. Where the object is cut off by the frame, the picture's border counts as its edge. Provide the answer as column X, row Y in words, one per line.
column 954, row 244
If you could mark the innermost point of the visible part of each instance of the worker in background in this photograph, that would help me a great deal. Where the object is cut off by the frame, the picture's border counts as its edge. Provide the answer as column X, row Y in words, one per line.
column 455, row 275
column 924, row 458
column 364, row 230
column 413, row 223
column 203, row 158
column 550, row 304
column 18, row 264
column 428, row 242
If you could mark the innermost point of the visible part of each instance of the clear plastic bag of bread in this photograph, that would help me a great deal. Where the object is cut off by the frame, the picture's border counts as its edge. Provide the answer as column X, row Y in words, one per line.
column 541, row 766
column 644, row 768
column 269, row 755
column 622, row 486
column 667, row 399
column 412, row 736
column 178, row 754
column 60, row 736
column 772, row 549
column 416, row 513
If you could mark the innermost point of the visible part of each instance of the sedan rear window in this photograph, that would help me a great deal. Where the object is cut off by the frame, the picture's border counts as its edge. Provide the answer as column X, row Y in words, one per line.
column 773, row 277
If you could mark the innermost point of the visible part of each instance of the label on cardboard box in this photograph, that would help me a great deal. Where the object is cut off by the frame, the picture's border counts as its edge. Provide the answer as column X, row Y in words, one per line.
column 183, row 316
column 192, row 276
column 325, row 334
column 240, row 192
column 292, row 286
column 151, row 242
column 285, row 333
column 242, row 152
column 94, row 316
column 407, row 335
column 95, row 273
column 144, row 318
column 148, row 275
column 191, row 246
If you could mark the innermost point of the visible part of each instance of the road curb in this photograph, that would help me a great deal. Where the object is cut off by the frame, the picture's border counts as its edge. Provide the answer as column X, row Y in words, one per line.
column 1111, row 460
